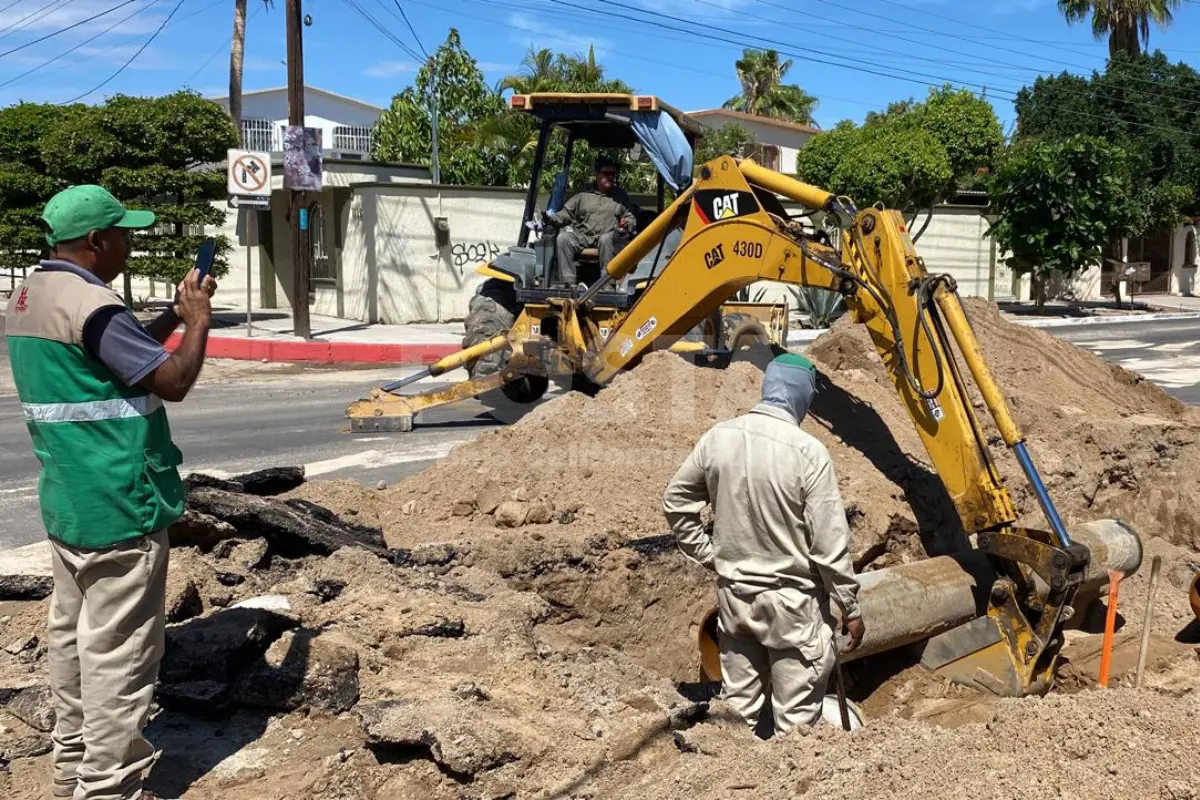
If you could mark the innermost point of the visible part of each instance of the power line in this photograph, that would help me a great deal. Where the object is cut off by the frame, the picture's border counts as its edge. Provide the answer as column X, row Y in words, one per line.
column 872, row 68
column 411, row 29
column 102, row 51
column 1156, row 93
column 377, row 25
column 132, row 58
column 69, row 27
column 1057, row 63
column 689, row 68
column 14, row 26
column 84, row 43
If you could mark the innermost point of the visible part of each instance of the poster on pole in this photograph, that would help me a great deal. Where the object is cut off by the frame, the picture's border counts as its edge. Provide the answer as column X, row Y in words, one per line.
column 302, row 159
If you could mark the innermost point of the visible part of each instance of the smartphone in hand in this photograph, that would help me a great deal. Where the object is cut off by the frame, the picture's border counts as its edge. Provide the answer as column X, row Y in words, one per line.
column 205, row 256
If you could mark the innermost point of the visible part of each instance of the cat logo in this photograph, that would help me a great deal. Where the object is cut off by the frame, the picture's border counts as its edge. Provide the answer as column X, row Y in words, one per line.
column 716, row 205
column 603, row 333
column 725, row 206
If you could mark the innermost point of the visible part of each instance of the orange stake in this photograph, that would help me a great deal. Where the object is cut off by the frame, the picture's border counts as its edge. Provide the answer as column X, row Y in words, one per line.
column 1110, row 625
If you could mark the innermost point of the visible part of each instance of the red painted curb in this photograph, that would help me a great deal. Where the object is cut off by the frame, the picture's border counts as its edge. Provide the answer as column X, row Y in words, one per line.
column 318, row 352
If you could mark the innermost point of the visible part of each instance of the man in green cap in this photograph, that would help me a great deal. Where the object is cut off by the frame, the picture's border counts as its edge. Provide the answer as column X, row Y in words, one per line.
column 91, row 382
column 780, row 546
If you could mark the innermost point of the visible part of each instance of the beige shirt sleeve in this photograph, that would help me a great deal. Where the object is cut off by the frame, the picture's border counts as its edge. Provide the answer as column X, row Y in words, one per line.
column 684, row 500
column 825, row 517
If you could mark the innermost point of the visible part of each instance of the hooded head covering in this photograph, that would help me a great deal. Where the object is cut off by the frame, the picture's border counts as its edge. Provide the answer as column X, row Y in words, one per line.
column 790, row 383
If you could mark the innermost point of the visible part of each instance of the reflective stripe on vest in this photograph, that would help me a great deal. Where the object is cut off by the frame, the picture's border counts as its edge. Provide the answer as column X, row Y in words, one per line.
column 92, row 411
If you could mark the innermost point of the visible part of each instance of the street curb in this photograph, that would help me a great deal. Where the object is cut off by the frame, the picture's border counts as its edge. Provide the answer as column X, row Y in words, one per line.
column 318, row 352
column 1110, row 320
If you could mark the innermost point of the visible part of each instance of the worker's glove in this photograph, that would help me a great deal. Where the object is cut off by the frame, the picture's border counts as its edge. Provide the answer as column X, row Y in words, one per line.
column 854, row 630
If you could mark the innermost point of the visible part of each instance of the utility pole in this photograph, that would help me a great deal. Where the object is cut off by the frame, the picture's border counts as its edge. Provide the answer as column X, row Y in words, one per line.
column 297, row 209
column 433, row 110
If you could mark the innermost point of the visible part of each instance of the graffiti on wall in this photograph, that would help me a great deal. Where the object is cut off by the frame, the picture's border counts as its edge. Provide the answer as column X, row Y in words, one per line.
column 471, row 253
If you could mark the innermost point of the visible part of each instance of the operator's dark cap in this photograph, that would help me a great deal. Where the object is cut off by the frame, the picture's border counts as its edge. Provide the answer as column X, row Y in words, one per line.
column 75, row 212
column 604, row 162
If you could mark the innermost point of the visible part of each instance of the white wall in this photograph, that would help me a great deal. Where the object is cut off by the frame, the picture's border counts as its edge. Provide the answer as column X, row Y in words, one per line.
column 1183, row 275
column 393, row 227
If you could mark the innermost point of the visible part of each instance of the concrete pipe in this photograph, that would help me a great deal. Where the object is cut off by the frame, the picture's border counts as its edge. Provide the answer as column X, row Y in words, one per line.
column 913, row 602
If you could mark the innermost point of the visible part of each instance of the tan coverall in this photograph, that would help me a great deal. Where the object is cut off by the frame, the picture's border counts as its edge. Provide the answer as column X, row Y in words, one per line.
column 780, row 547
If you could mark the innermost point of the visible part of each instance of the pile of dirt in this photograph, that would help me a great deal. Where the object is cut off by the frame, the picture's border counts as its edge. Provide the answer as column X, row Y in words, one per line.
column 1107, row 441
column 529, row 632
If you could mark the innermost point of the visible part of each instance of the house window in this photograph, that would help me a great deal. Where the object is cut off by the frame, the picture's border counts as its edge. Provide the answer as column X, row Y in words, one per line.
column 256, row 134
column 1189, row 250
column 766, row 155
column 321, row 265
column 352, row 139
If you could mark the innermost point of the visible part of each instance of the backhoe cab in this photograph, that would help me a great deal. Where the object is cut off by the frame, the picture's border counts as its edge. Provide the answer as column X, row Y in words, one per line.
column 519, row 299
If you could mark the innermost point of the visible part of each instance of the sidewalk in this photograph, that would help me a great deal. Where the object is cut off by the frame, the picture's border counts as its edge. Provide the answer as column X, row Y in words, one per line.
column 334, row 341
column 341, row 341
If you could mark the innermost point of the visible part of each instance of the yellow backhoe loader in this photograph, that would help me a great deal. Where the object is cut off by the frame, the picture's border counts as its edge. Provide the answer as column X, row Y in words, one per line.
column 991, row 615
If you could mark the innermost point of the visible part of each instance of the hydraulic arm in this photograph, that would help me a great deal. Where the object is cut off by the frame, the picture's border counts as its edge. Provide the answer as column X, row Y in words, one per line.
column 736, row 233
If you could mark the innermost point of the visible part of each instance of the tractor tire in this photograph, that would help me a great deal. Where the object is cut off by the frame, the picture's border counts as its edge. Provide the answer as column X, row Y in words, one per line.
column 743, row 331
column 490, row 313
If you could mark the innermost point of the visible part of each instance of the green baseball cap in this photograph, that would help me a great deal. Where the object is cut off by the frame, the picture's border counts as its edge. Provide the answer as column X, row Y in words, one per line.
column 77, row 211
column 795, row 360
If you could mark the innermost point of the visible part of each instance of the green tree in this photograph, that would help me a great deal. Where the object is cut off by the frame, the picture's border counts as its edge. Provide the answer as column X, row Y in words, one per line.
column 1144, row 105
column 729, row 139
column 153, row 152
column 909, row 157
column 1057, row 203
column 516, row 133
column 1126, row 23
column 764, row 93
column 404, row 131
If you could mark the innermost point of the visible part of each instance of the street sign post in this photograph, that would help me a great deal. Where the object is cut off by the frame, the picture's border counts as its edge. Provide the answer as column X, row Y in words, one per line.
column 249, row 185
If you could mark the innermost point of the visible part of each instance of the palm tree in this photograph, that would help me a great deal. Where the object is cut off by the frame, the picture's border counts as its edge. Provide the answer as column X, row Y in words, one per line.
column 237, row 60
column 539, row 73
column 1126, row 23
column 764, row 94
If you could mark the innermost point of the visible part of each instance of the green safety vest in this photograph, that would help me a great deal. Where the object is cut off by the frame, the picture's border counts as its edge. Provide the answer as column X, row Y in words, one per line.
column 108, row 464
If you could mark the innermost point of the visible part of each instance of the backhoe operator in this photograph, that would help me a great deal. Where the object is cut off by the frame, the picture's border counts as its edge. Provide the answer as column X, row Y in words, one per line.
column 780, row 546
column 602, row 216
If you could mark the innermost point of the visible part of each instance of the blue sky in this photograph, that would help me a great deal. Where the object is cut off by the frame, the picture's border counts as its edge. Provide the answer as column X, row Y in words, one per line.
column 855, row 55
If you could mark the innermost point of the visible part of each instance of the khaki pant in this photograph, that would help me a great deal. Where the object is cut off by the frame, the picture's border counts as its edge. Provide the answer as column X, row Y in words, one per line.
column 106, row 639
column 775, row 642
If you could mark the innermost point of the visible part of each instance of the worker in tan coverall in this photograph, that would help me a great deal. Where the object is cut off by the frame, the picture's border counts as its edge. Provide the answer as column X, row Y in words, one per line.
column 780, row 546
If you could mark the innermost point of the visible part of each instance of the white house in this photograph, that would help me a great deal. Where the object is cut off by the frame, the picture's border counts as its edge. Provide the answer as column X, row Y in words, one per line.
column 345, row 123
column 778, row 140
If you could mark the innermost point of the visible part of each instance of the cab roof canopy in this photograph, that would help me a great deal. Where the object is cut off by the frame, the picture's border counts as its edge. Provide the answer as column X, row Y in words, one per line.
column 586, row 116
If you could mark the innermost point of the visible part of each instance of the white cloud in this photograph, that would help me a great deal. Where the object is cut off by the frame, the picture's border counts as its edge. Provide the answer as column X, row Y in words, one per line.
column 389, row 69
column 29, row 20
column 530, row 31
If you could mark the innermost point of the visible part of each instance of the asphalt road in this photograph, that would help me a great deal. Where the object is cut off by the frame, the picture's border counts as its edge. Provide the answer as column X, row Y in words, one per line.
column 278, row 419
column 1167, row 353
column 245, row 418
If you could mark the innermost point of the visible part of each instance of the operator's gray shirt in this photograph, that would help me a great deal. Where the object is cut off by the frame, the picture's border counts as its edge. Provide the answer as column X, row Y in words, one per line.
column 114, row 337
column 593, row 213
